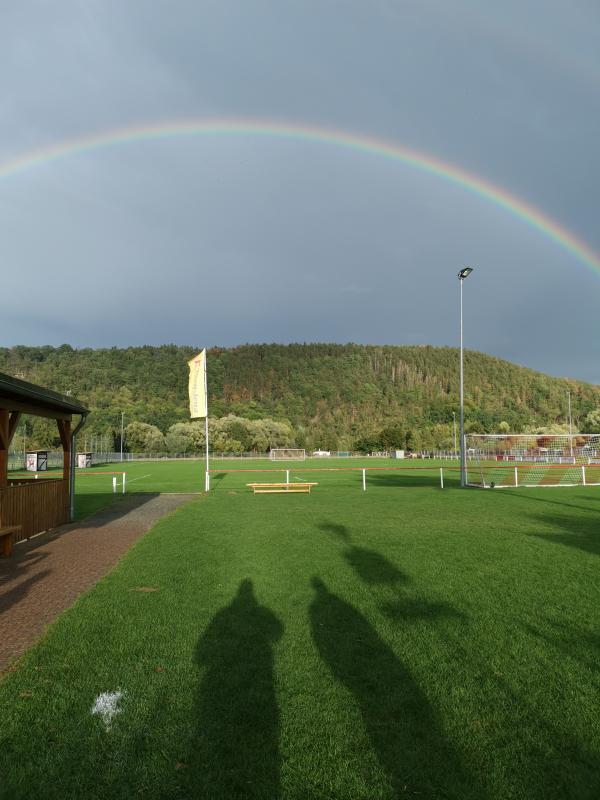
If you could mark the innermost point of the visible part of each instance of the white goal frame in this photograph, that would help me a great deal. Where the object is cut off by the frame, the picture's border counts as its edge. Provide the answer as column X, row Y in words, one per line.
column 287, row 454
column 536, row 460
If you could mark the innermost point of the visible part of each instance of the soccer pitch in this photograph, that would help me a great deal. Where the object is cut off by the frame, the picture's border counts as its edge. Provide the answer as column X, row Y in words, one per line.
column 227, row 475
column 403, row 641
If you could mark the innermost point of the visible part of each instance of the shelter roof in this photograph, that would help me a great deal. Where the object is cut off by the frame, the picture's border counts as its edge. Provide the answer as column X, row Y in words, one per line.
column 18, row 395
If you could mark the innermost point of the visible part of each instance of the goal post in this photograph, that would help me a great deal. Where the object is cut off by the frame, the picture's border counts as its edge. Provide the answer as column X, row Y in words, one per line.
column 502, row 460
column 287, row 454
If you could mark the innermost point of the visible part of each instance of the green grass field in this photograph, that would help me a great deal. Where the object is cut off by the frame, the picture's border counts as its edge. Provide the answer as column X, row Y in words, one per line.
column 399, row 642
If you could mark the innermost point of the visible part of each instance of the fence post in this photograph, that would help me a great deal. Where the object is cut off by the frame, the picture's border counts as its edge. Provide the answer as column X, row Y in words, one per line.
column 364, row 480
column 287, row 476
column 441, row 477
column 583, row 474
column 516, row 477
column 124, row 482
column 114, row 484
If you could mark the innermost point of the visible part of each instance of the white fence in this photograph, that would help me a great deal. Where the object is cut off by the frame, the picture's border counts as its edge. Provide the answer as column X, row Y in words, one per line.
column 17, row 460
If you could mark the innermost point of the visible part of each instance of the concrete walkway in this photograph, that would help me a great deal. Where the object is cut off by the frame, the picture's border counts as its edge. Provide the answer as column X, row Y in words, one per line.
column 47, row 574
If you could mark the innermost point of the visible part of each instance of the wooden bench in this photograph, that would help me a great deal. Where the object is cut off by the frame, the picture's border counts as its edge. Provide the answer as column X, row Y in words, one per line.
column 281, row 488
column 6, row 537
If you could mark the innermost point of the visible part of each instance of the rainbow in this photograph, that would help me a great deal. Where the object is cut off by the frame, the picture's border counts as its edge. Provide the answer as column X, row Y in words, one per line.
column 299, row 132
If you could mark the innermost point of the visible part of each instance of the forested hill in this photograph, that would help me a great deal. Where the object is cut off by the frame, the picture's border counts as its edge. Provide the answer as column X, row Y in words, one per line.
column 335, row 396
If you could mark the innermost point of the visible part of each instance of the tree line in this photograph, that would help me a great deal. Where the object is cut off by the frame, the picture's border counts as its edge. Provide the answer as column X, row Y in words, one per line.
column 335, row 397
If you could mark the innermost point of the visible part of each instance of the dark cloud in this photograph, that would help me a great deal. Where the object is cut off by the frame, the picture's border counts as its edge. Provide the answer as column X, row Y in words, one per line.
column 230, row 239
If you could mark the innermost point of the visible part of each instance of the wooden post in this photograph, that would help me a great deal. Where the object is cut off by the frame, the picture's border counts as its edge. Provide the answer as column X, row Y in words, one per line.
column 8, row 426
column 64, row 429
column 4, row 442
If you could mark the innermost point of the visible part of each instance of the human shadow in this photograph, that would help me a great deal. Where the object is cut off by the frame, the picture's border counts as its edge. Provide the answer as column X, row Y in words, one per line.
column 20, row 573
column 20, row 590
column 580, row 533
column 116, row 510
column 409, row 610
column 339, row 530
column 400, row 480
column 373, row 568
column 235, row 750
column 553, row 762
column 398, row 719
column 525, row 495
column 370, row 566
column 581, row 645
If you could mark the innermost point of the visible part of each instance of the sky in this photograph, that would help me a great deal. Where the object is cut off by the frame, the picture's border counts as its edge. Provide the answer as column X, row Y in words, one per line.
column 221, row 230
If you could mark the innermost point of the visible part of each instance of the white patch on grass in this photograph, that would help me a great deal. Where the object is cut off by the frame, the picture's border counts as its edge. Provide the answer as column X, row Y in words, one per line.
column 106, row 706
column 141, row 478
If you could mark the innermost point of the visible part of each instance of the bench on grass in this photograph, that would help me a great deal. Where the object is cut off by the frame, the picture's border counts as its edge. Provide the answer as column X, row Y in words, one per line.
column 6, row 538
column 281, row 488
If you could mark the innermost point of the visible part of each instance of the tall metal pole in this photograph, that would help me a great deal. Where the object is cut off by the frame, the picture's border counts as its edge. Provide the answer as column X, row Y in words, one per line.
column 207, row 475
column 122, row 415
column 463, row 455
column 464, row 273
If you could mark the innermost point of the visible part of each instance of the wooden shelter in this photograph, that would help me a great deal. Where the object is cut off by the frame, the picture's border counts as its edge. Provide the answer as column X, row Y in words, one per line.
column 30, row 505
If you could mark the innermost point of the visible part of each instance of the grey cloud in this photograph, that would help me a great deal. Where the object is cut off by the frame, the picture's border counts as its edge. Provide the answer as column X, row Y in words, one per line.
column 223, row 240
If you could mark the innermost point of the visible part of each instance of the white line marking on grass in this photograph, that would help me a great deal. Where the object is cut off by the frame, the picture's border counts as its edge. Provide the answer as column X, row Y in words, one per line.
column 133, row 480
column 106, row 706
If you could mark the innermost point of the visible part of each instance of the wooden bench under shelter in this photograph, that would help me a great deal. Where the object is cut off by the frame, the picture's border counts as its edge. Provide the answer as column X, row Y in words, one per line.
column 6, row 537
column 29, row 506
column 281, row 488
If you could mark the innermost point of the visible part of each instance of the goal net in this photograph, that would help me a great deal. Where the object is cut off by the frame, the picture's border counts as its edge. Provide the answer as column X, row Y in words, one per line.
column 287, row 454
column 495, row 460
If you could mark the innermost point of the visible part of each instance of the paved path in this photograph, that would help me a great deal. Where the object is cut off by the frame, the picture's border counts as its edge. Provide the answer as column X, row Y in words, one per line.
column 47, row 574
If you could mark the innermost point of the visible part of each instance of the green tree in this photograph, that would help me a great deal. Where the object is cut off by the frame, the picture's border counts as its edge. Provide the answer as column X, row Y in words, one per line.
column 179, row 438
column 144, row 438
column 393, row 437
column 591, row 423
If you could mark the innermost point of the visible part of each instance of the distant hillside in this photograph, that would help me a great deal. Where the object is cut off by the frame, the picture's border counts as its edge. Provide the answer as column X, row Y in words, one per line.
column 335, row 396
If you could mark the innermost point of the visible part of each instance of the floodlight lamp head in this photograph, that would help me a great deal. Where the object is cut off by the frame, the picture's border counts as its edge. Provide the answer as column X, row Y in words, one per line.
column 464, row 273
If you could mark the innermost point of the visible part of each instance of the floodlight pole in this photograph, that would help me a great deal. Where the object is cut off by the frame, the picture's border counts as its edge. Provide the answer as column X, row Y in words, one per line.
column 464, row 273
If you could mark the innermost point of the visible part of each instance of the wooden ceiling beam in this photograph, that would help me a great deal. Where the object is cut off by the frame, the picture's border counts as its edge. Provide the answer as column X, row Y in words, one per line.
column 8, row 404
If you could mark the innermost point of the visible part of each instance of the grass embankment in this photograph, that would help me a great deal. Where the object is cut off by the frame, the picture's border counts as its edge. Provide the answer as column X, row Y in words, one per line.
column 399, row 642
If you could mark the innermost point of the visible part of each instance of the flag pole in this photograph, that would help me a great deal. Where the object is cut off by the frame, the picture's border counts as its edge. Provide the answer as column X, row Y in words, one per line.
column 207, row 474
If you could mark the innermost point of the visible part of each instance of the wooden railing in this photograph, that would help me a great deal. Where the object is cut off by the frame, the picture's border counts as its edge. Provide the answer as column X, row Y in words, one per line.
column 35, row 505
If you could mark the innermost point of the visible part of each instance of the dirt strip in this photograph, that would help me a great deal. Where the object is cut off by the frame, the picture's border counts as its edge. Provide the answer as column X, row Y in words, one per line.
column 47, row 574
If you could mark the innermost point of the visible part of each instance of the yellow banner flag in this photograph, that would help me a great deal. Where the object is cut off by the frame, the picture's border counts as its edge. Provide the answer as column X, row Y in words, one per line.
column 197, row 386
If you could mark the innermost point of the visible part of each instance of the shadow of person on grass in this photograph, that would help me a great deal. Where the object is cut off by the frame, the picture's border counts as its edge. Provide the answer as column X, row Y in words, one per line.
column 236, row 743
column 582, row 533
column 398, row 718
column 370, row 566
column 376, row 570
